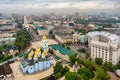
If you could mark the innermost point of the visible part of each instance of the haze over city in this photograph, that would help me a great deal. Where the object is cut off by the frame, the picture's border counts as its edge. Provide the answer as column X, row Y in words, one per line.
column 59, row 39
column 59, row 6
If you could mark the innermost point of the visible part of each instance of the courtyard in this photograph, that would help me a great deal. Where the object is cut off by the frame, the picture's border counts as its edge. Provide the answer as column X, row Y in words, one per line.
column 18, row 74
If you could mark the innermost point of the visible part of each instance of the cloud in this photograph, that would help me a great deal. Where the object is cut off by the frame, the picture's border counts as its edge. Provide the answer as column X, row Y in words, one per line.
column 23, row 5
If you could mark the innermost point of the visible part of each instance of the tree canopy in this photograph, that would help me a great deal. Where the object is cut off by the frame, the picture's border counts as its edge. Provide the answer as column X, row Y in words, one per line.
column 72, row 59
column 73, row 76
column 98, row 61
column 100, row 74
column 108, row 66
column 86, row 73
column 58, row 67
column 59, row 70
column 22, row 39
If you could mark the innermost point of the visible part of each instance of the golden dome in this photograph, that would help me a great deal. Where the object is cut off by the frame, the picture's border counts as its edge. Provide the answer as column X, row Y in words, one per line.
column 44, row 52
column 37, row 50
column 44, row 37
column 29, row 56
column 35, row 56
column 31, row 52
column 43, row 55
column 36, row 53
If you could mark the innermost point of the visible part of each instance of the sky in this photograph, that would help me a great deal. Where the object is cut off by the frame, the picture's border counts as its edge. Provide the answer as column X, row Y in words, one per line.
column 59, row 6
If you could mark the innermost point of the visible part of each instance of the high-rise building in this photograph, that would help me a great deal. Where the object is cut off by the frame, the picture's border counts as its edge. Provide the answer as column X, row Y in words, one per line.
column 25, row 20
column 77, row 14
column 53, row 15
column 104, row 45
column 1, row 14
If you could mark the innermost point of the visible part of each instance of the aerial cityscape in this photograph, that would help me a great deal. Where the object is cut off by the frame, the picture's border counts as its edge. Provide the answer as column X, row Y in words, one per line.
column 59, row 39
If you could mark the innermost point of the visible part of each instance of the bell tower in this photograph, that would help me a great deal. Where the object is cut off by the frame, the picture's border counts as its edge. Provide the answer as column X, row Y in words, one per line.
column 44, row 44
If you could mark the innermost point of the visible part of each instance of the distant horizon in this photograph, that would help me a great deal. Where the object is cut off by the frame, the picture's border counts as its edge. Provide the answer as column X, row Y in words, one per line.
column 30, row 7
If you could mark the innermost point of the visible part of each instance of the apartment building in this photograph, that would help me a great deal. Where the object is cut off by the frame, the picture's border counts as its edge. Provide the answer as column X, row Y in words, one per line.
column 104, row 45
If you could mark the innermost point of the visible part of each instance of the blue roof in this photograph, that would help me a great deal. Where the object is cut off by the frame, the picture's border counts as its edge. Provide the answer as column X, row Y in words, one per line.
column 24, row 64
column 62, row 50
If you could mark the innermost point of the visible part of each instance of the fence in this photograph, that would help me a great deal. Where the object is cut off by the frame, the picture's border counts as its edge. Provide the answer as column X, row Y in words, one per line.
column 19, row 56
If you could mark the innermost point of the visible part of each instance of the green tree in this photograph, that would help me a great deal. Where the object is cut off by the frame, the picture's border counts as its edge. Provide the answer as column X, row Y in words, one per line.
column 87, row 55
column 108, row 66
column 16, row 54
column 1, row 49
column 65, row 69
column 98, row 61
column 10, row 57
column 73, row 76
column 58, row 75
column 72, row 59
column 117, row 66
column 58, row 67
column 59, row 70
column 86, row 73
column 70, row 76
column 2, row 57
column 88, row 64
column 22, row 39
column 50, row 32
column 100, row 74
column 79, row 61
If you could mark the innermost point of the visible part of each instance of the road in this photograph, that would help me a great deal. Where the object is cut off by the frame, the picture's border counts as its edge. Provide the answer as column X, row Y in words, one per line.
column 33, row 34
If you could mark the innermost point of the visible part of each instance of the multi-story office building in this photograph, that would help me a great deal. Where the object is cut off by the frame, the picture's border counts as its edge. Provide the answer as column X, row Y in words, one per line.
column 104, row 45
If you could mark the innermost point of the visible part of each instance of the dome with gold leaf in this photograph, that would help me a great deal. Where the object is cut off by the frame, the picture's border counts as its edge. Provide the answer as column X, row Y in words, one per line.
column 31, row 54
column 37, row 51
column 29, row 57
column 44, row 37
column 44, row 52
column 35, row 57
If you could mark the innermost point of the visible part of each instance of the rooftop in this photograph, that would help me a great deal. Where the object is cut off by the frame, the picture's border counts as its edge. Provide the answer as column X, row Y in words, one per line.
column 64, row 35
column 112, row 37
column 7, row 26
column 62, row 50
column 5, row 69
column 8, row 39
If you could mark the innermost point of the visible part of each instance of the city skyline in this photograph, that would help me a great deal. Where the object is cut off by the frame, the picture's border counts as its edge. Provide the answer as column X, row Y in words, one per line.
column 59, row 6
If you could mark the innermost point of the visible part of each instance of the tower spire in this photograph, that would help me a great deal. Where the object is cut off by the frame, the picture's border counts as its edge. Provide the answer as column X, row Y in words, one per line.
column 44, row 37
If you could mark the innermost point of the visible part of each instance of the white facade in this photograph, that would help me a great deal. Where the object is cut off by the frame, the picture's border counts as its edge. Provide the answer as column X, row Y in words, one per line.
column 25, row 24
column 6, row 35
column 104, row 45
column 76, row 37
column 25, row 20
column 68, row 38
column 44, row 44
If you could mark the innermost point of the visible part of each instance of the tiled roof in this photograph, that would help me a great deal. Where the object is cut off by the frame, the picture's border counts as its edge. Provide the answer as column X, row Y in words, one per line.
column 62, row 50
